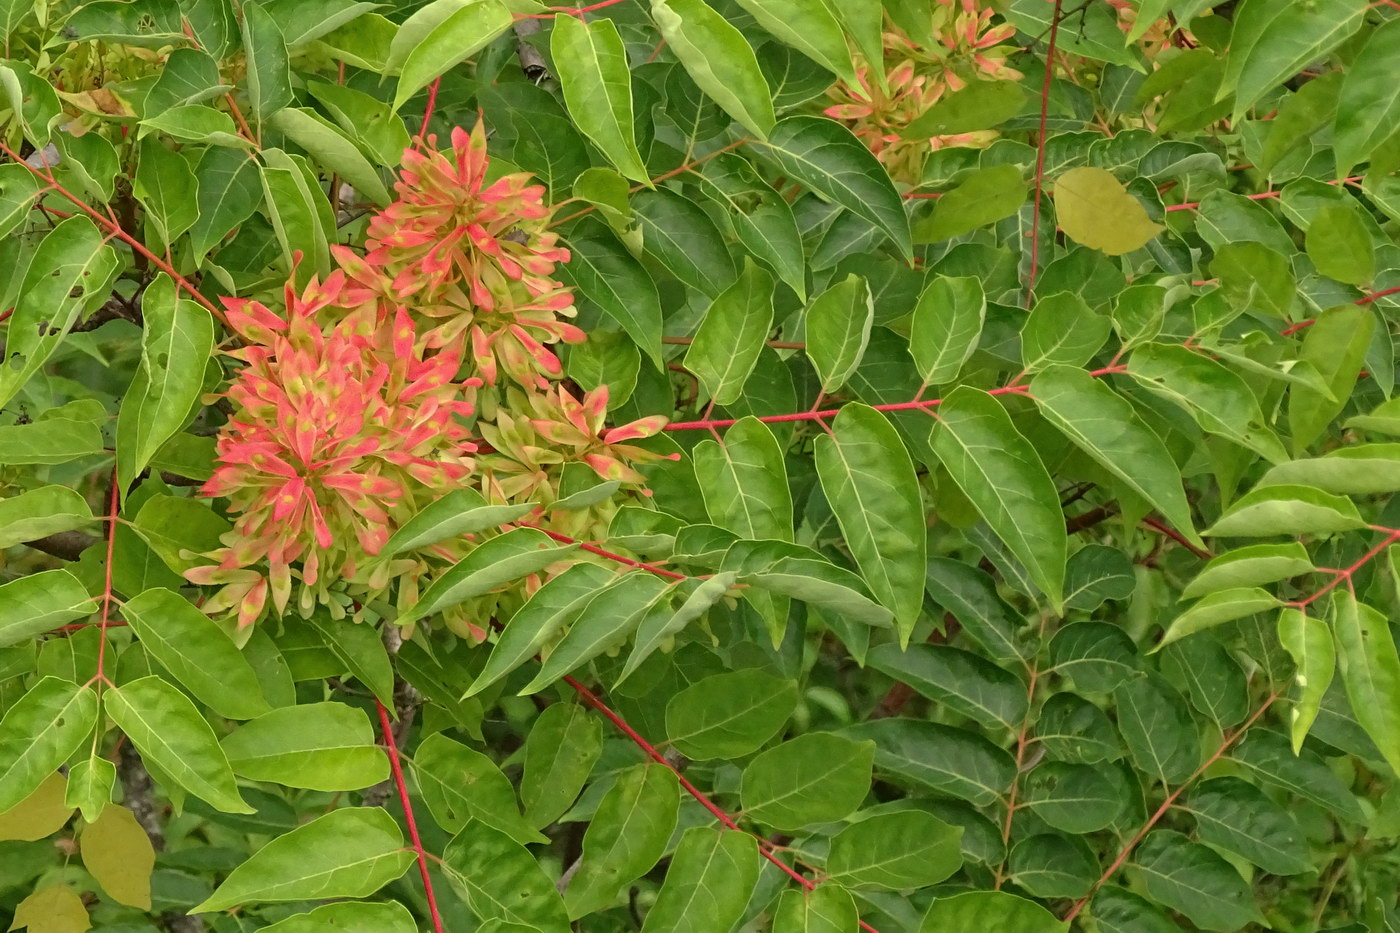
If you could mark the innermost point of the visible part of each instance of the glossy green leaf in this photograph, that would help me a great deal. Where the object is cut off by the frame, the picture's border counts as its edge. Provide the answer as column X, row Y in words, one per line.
column 196, row 652
column 729, row 715
column 828, row 908
column 824, row 156
column 592, row 66
column 1191, row 878
column 1308, row 641
column 459, row 512
column 351, row 917
column 681, row 237
column 1117, row 910
column 981, row 105
column 1075, row 730
column 1286, row 510
column 38, row 734
column 990, row 910
column 762, row 220
column 173, row 738
column 515, row 554
column 461, row 784
column 894, row 852
column 719, row 59
column 838, row 329
column 971, row 596
column 351, row 852
column 331, row 147
column 725, row 349
column 449, row 42
column 319, row 746
column 560, row 751
column 607, row 621
column 868, row 478
column 963, row 681
column 1157, row 729
column 1369, row 103
column 18, row 188
column 269, row 67
column 604, row 273
column 821, row 584
column 1219, row 607
column 811, row 28
column 1250, row 566
column 1370, row 667
column 815, row 778
column 929, row 755
column 658, row 626
column 625, row 839
column 988, row 195
column 89, row 788
column 41, row 602
column 744, row 481
column 1337, row 346
column 1269, row 757
column 1050, row 865
column 1074, row 798
column 947, row 324
column 1233, row 814
column 1340, row 246
column 1212, row 678
column 708, row 884
column 1000, row 472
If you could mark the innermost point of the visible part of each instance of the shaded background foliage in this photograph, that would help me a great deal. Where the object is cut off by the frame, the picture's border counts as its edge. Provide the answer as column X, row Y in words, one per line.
column 1018, row 556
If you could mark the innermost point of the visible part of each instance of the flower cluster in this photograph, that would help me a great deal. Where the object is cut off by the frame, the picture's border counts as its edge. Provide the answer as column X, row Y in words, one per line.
column 358, row 405
column 969, row 49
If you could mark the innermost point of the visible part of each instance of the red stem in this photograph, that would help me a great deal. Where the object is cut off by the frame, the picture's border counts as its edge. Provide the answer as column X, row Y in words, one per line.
column 112, row 509
column 1263, row 195
column 429, row 108
column 595, row 549
column 1170, row 532
column 1040, row 149
column 387, row 728
column 1347, row 574
column 764, row 847
column 1303, row 325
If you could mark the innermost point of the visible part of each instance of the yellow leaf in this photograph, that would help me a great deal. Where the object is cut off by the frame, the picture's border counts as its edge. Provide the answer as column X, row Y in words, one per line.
column 1095, row 210
column 118, row 854
column 52, row 910
column 41, row 814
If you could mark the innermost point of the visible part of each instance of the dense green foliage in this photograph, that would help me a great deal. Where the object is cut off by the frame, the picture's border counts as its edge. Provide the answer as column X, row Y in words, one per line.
column 1018, row 552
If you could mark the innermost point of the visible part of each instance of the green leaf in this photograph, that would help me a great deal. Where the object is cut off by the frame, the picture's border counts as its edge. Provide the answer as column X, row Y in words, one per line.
column 228, row 193
column 1337, row 346
column 1192, row 879
column 1157, row 728
column 40, row 602
column 350, row 917
column 269, row 67
column 1000, row 472
column 1286, row 510
column 947, row 324
column 869, row 481
column 711, row 877
column 1049, row 865
column 605, row 274
column 1216, row 608
column 592, row 66
column 971, row 596
column 838, row 329
column 351, row 852
column 941, row 758
column 1235, row 815
column 984, row 197
column 1216, row 397
column 965, row 682
column 1362, row 470
column 828, row 908
column 895, row 852
column 1073, row 729
column 177, row 338
column 744, row 482
column 980, row 105
column 819, row 777
column 825, row 157
column 626, row 837
column 196, row 652
column 1116, row 910
column 460, row 784
column 1268, row 755
column 1096, row 573
column 1370, row 669
column 659, row 627
column 539, row 620
column 1369, row 106
column 1250, row 566
column 990, row 910
column 515, row 554
column 370, row 121
column 1075, row 798
column 330, row 146
column 560, row 751
column 1254, row 278
column 39, row 732
column 1212, row 677
column 729, row 715
column 318, row 746
column 1340, row 246
column 719, row 59
column 1062, row 330
column 679, row 235
column 761, row 219
column 607, row 621
column 810, row 27
column 821, row 584
column 196, row 123
column 174, row 738
column 70, row 272
column 725, row 349
column 461, row 511
column 1309, row 643
column 18, row 189
column 500, row 880
column 89, row 789
column 1095, row 210
column 448, row 42
column 1270, row 43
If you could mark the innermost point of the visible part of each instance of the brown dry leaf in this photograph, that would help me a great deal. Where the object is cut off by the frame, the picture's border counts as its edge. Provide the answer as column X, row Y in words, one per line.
column 55, row 909
column 118, row 854
column 39, row 815
column 1095, row 210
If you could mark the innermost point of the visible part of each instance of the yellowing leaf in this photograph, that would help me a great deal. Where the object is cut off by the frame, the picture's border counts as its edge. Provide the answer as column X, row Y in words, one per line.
column 55, row 909
column 117, row 853
column 41, row 814
column 1095, row 210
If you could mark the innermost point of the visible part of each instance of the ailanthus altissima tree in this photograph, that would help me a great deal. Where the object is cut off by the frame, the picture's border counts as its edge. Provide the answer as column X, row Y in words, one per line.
column 780, row 466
